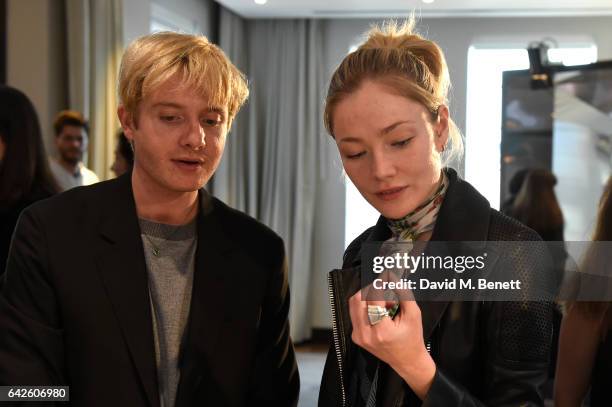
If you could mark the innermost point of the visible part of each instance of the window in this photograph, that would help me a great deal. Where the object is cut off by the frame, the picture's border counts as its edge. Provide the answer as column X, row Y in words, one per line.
column 484, row 97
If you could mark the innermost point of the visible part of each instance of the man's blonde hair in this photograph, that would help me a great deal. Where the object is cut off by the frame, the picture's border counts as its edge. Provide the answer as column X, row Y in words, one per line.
column 151, row 60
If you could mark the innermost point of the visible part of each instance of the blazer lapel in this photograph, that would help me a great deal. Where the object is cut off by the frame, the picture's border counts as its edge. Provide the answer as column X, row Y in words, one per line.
column 122, row 267
column 209, row 300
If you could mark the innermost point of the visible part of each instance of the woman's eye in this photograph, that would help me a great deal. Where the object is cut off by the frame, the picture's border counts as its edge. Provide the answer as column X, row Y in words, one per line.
column 356, row 155
column 401, row 143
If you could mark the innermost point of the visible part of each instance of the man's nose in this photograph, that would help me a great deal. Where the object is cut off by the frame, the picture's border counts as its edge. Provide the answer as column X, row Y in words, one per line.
column 195, row 137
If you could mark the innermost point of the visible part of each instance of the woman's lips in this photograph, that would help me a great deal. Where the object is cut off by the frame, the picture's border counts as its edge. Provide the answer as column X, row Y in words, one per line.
column 390, row 193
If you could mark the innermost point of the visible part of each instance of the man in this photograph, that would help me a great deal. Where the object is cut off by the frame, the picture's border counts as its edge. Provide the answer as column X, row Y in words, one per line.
column 145, row 290
column 71, row 142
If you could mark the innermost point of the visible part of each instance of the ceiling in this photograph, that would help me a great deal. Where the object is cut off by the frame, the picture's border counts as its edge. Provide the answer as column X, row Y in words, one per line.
column 439, row 8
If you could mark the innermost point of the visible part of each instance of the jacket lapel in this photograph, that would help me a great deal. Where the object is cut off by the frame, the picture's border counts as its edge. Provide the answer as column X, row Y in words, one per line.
column 209, row 300
column 122, row 267
column 463, row 217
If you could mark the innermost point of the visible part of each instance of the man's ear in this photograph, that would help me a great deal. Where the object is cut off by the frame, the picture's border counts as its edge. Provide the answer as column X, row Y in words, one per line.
column 127, row 122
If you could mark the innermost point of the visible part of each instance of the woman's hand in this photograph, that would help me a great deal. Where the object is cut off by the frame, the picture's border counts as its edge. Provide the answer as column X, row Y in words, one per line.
column 397, row 342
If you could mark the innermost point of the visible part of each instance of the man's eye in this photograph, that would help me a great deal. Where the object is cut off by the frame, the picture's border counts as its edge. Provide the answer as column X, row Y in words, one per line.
column 212, row 122
column 169, row 118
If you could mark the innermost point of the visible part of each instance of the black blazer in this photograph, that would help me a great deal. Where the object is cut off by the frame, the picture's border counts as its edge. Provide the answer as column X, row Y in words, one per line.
column 486, row 353
column 74, row 306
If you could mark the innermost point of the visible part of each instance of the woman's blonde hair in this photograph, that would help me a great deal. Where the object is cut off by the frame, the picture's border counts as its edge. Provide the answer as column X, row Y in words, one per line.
column 409, row 64
column 151, row 60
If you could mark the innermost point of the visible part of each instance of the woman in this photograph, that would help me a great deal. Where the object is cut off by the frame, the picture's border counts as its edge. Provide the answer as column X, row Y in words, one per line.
column 585, row 343
column 24, row 171
column 536, row 205
column 386, row 109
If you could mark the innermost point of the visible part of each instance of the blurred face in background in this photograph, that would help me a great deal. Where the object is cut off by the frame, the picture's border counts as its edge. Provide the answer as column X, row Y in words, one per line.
column 120, row 165
column 178, row 137
column 390, row 147
column 71, row 143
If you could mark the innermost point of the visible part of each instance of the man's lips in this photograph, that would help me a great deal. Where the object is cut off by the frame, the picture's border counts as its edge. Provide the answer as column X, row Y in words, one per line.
column 188, row 163
column 194, row 161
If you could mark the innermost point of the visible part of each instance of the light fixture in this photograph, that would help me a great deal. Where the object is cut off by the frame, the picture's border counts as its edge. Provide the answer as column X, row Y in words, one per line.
column 261, row 2
column 428, row 1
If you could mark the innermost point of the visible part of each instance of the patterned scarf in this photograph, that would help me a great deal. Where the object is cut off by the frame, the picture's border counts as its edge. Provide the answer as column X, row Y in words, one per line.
column 420, row 220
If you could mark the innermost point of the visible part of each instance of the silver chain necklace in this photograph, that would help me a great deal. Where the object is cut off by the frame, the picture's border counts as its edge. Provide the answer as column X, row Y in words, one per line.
column 156, row 249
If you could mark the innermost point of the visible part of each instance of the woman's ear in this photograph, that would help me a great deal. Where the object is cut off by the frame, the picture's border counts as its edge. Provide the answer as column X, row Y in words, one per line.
column 441, row 128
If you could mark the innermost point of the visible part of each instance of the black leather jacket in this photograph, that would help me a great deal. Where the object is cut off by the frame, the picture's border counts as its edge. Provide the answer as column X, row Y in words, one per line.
column 486, row 353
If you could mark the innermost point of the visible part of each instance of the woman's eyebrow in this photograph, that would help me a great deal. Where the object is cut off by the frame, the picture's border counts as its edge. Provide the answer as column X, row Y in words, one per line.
column 390, row 128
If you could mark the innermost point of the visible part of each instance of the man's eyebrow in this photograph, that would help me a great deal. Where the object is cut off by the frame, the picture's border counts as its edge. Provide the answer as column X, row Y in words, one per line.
column 217, row 109
column 390, row 128
column 168, row 104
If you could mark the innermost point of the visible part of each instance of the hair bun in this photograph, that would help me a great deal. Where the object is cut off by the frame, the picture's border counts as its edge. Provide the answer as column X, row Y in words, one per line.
column 401, row 37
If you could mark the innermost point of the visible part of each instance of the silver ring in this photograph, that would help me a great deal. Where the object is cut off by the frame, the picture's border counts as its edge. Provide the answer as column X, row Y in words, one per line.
column 376, row 313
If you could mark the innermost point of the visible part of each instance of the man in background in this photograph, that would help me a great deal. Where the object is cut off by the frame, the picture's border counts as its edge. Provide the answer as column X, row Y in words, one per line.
column 71, row 141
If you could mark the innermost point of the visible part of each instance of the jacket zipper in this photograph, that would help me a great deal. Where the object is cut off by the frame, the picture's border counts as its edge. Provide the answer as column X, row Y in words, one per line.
column 336, row 336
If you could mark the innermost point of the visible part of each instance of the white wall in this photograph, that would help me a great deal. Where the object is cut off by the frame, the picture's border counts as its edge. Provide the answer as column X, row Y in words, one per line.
column 136, row 19
column 137, row 15
column 454, row 35
column 200, row 11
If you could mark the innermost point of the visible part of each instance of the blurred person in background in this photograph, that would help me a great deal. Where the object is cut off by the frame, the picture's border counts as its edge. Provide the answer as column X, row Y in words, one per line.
column 71, row 141
column 537, row 207
column 516, row 182
column 585, row 344
column 124, row 156
column 24, row 171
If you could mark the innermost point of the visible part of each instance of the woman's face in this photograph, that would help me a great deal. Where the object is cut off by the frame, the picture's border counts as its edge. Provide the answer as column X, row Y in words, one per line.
column 390, row 147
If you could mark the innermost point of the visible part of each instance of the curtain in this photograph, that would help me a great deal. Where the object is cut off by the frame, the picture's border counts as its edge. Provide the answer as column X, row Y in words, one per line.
column 95, row 44
column 275, row 149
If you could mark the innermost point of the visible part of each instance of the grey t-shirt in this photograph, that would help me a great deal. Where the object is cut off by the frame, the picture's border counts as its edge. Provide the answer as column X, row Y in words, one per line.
column 170, row 258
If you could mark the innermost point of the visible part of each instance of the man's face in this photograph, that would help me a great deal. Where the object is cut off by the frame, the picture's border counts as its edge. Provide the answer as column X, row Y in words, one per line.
column 178, row 138
column 71, row 143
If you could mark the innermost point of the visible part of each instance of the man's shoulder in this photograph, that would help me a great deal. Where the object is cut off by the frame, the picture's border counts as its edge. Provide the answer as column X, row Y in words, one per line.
column 55, row 166
column 89, row 177
column 70, row 202
column 247, row 230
